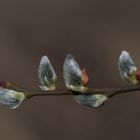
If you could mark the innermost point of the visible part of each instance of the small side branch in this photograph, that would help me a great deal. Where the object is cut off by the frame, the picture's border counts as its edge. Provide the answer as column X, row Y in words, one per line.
column 123, row 90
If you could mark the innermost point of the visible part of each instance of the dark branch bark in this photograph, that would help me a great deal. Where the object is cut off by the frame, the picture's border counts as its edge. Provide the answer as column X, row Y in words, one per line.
column 123, row 90
column 109, row 92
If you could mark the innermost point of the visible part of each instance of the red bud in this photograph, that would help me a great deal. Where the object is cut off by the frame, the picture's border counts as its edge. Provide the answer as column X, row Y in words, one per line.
column 85, row 78
column 138, row 74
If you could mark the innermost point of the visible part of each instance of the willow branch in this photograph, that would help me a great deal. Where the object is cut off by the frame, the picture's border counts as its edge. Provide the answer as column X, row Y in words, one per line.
column 63, row 92
column 123, row 90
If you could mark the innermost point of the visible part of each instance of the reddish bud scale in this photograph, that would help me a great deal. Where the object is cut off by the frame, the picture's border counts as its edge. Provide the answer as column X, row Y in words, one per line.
column 85, row 77
column 138, row 74
column 3, row 84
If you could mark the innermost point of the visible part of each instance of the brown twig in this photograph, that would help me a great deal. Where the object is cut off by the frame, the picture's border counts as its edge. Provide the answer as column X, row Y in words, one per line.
column 123, row 90
column 62, row 92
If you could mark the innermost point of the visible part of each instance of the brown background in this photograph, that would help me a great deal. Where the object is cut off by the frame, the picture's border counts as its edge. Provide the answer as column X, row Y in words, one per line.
column 95, row 32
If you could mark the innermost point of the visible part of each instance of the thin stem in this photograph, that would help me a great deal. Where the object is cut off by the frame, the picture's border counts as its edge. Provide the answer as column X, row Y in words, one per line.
column 62, row 92
column 59, row 92
column 122, row 90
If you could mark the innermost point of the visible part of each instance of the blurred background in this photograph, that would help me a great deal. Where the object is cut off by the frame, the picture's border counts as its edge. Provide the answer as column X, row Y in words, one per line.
column 95, row 32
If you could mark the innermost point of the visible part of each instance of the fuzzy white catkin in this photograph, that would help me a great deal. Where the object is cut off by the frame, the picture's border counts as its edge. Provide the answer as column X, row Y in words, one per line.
column 11, row 98
column 127, row 67
column 73, row 74
column 72, row 71
column 46, row 74
column 91, row 100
